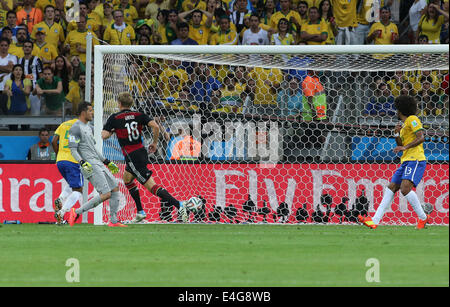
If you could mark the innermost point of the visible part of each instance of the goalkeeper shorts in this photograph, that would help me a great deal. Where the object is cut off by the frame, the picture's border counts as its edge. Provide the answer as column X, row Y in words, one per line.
column 71, row 173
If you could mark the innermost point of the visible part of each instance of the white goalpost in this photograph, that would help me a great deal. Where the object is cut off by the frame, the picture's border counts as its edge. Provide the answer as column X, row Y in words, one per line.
column 277, row 134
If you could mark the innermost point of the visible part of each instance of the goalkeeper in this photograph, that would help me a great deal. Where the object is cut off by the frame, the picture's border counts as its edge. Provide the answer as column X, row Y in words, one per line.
column 94, row 167
column 128, row 125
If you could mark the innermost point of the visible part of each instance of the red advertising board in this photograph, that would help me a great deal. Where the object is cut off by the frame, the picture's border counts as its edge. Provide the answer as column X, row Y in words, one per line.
column 27, row 191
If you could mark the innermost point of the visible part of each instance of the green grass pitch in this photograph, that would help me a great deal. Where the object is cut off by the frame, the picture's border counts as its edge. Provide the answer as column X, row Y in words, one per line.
column 223, row 255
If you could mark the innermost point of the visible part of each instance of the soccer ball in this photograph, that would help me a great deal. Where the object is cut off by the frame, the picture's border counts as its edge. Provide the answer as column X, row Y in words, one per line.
column 427, row 208
column 194, row 204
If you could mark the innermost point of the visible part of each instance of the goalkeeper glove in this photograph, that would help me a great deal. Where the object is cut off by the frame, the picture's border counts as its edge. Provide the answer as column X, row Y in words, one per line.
column 112, row 166
column 86, row 166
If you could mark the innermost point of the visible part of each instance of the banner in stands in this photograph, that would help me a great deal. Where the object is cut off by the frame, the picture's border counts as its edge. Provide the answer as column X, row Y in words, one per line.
column 27, row 191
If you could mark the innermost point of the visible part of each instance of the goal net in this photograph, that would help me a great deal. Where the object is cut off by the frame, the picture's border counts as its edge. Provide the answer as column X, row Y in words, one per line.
column 278, row 134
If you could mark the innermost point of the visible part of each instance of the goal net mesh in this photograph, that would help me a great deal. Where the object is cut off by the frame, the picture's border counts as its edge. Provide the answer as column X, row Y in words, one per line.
column 282, row 138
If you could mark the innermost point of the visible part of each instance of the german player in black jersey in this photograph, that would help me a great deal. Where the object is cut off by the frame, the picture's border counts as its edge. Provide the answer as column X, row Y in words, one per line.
column 128, row 125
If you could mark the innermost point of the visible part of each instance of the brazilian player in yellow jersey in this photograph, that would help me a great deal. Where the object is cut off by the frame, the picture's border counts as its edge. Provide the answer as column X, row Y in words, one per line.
column 409, row 137
column 69, row 169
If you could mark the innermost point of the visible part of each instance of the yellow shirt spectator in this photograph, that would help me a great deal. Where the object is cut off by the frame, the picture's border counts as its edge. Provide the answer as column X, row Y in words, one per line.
column 344, row 12
column 91, row 25
column 167, row 73
column 41, row 4
column 431, row 28
column 229, row 37
column 116, row 35
column 319, row 28
column 267, row 80
column 278, row 15
column 193, row 4
column 130, row 13
column 386, row 31
column 3, row 12
column 55, row 33
column 75, row 96
column 77, row 39
column 46, row 51
column 200, row 34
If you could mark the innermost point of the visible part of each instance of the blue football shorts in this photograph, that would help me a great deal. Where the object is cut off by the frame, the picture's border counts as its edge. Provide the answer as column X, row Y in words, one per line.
column 410, row 170
column 71, row 173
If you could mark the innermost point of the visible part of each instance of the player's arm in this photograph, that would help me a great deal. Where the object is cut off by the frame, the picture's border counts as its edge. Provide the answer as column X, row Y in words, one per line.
column 55, row 144
column 420, row 138
column 74, row 141
column 106, row 134
column 155, row 129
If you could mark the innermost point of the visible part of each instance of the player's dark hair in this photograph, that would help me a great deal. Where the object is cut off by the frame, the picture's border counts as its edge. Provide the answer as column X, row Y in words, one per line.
column 84, row 106
column 406, row 105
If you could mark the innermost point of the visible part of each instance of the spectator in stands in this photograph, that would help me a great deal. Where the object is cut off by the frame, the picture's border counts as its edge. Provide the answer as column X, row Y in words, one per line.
column 268, row 81
column 120, row 32
column 5, row 7
column 42, row 150
column 77, row 93
column 431, row 23
column 225, row 35
column 173, row 68
column 285, row 12
column 283, row 36
column 396, row 83
column 75, row 43
column 18, row 88
column 314, row 98
column 315, row 32
column 407, row 89
column 29, row 15
column 107, row 18
column 383, row 32
column 33, row 67
column 63, row 69
column 255, row 35
column 248, row 97
column 382, row 103
column 198, row 30
column 203, row 83
column 290, row 99
column 346, row 21
column 77, row 67
column 365, row 19
column 7, row 62
column 167, row 27
column 144, row 28
column 51, row 89
column 423, row 40
column 45, row 51
column 152, row 9
column 17, row 48
column 302, row 9
column 183, row 35
column 326, row 13
column 129, row 12
column 55, row 32
column 237, row 15
column 428, row 100
column 416, row 11
column 268, row 11
column 230, row 98
column 11, row 22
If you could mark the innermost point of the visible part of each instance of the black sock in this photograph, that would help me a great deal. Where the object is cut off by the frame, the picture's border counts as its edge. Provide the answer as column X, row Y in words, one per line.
column 134, row 192
column 165, row 196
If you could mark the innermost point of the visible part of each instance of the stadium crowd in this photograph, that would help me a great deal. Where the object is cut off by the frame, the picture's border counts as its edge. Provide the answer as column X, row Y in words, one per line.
column 43, row 51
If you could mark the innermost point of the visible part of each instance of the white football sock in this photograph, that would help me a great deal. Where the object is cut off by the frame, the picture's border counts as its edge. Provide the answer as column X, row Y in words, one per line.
column 65, row 193
column 385, row 203
column 415, row 203
column 71, row 201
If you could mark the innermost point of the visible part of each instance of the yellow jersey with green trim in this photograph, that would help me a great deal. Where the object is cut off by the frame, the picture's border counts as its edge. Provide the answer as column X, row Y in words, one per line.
column 63, row 149
column 315, row 29
column 229, row 37
column 345, row 12
column 200, row 34
column 116, row 37
column 46, row 51
column 410, row 127
column 54, row 33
